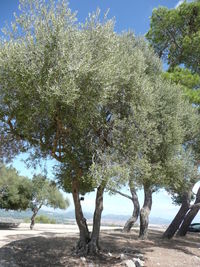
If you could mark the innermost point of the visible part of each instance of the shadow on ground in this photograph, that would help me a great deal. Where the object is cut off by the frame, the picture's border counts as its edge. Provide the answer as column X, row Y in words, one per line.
column 45, row 250
column 51, row 249
column 182, row 244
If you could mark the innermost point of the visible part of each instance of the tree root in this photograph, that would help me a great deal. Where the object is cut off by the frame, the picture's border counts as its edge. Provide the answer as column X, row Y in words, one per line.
column 84, row 249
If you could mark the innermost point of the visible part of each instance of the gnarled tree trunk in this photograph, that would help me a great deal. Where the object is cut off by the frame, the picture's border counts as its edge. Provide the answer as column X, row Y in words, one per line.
column 84, row 235
column 190, row 215
column 144, row 213
column 136, row 211
column 185, row 206
column 35, row 212
column 93, row 246
column 33, row 218
column 88, row 244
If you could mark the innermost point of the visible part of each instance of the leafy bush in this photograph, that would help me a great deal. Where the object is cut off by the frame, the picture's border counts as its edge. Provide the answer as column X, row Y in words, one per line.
column 42, row 219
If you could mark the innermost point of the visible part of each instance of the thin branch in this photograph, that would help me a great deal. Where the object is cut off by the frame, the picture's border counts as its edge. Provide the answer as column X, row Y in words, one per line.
column 13, row 130
column 197, row 205
column 55, row 156
column 120, row 193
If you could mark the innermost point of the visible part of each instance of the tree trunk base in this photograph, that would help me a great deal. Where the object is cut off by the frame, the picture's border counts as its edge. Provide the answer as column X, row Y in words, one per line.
column 126, row 230
column 178, row 219
column 87, row 249
column 93, row 248
column 32, row 225
column 181, row 234
column 81, row 248
column 129, row 224
column 143, row 237
column 166, row 236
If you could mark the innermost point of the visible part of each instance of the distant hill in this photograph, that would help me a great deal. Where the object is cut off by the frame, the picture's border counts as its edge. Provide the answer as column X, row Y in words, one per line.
column 118, row 217
column 69, row 217
column 60, row 217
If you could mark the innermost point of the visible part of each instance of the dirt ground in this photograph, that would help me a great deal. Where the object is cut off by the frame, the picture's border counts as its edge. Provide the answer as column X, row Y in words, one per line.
column 47, row 246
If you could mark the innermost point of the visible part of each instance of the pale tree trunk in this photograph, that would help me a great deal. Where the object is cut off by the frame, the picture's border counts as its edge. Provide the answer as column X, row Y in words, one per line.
column 190, row 216
column 33, row 218
column 84, row 235
column 88, row 244
column 35, row 212
column 136, row 211
column 185, row 206
column 144, row 213
column 93, row 247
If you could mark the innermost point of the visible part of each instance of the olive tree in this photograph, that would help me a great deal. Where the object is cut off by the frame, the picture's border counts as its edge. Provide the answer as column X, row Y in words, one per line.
column 54, row 77
column 151, row 120
column 174, row 35
column 184, row 174
column 15, row 190
column 73, row 91
column 45, row 193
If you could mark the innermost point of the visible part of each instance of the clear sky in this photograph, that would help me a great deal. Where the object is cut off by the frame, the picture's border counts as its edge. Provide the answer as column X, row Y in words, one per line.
column 129, row 15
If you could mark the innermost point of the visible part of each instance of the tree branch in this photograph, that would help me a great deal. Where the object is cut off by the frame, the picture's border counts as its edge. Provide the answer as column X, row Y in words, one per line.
column 120, row 193
column 197, row 205
column 13, row 130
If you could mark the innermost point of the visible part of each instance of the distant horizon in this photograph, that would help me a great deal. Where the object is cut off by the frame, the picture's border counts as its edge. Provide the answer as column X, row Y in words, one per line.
column 89, row 215
column 70, row 215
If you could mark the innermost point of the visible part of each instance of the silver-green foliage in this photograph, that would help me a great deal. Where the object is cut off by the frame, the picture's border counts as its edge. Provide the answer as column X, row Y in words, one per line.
column 60, row 81
column 153, row 125
column 45, row 193
column 54, row 77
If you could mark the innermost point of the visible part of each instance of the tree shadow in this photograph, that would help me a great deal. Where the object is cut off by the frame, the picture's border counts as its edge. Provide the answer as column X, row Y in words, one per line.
column 49, row 249
column 41, row 251
column 54, row 249
column 182, row 244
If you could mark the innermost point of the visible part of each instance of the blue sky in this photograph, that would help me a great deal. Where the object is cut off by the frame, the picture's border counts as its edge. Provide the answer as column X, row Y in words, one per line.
column 129, row 15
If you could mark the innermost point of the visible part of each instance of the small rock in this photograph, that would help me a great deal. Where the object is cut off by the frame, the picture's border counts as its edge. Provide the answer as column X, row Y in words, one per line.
column 138, row 262
column 129, row 263
column 122, row 256
column 109, row 254
column 83, row 259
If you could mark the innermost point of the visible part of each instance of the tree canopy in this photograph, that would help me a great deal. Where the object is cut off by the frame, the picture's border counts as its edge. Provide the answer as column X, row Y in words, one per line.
column 45, row 193
column 55, row 77
column 175, row 35
column 15, row 190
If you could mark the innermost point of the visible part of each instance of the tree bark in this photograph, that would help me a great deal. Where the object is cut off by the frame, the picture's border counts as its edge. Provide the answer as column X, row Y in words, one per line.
column 93, row 247
column 136, row 211
column 144, row 213
column 185, row 206
column 190, row 216
column 84, row 235
column 35, row 212
column 88, row 244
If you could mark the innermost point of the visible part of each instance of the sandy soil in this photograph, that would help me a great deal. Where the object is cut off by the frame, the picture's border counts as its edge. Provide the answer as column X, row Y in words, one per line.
column 52, row 245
